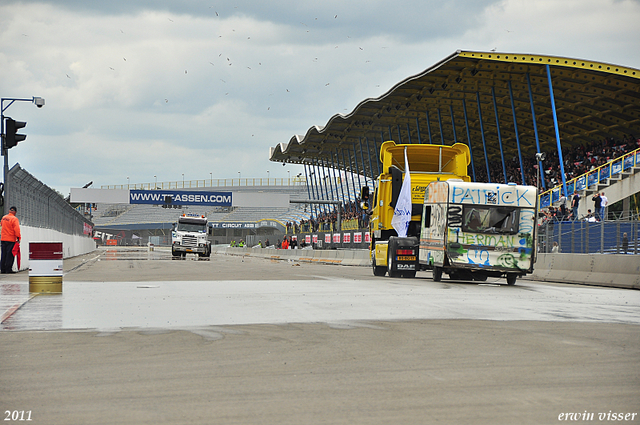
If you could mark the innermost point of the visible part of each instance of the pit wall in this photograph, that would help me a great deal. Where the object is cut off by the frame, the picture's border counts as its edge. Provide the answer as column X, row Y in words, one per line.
column 614, row 270
column 72, row 245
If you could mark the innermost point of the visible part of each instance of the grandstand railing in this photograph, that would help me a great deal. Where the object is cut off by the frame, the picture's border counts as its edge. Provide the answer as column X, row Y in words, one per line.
column 610, row 169
column 195, row 184
column 585, row 237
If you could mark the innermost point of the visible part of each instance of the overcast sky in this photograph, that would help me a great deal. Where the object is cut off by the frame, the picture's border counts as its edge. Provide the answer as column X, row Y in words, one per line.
column 160, row 87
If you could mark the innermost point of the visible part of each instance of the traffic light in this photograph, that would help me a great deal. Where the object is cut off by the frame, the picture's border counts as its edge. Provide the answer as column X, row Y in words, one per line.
column 11, row 137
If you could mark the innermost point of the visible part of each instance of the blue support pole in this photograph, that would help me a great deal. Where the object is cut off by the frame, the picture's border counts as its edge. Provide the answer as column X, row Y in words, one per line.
column 429, row 128
column 327, row 169
column 418, row 127
column 515, row 127
column 399, row 135
column 346, row 179
column 409, row 133
column 495, row 109
column 555, row 124
column 319, row 179
column 366, row 139
column 364, row 164
column 484, row 144
column 440, row 124
column 353, row 180
column 314, row 179
column 453, row 125
column 390, row 136
column 306, row 179
column 338, row 169
column 535, row 132
column 355, row 159
column 466, row 123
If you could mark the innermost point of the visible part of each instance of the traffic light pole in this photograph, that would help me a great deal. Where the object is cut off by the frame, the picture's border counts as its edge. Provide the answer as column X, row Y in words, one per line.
column 39, row 102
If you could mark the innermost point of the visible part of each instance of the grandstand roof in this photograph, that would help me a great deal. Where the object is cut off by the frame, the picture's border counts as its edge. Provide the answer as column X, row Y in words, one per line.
column 593, row 100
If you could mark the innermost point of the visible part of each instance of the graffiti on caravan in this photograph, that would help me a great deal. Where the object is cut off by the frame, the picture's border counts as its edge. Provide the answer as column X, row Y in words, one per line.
column 159, row 197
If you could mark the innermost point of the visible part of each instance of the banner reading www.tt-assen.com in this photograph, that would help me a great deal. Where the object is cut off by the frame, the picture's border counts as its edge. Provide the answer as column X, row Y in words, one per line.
column 159, row 197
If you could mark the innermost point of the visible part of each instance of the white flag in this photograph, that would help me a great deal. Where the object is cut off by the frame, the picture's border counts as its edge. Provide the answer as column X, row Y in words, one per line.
column 402, row 212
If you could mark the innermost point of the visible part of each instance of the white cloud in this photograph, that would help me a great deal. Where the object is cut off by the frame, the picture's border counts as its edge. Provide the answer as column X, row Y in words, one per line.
column 165, row 88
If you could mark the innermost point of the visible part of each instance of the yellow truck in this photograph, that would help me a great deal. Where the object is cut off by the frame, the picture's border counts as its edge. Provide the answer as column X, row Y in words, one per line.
column 427, row 163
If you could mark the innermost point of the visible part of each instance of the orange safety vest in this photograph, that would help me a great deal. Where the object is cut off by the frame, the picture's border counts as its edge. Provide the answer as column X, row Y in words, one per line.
column 10, row 228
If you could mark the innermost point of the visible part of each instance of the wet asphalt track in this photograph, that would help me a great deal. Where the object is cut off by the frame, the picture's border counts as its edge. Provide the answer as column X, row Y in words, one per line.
column 137, row 337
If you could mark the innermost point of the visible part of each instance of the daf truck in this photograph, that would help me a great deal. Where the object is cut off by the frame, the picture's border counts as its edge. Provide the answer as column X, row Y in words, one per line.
column 191, row 235
column 427, row 163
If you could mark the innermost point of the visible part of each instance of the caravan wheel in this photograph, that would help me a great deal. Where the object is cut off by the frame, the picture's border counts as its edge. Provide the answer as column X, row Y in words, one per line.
column 437, row 274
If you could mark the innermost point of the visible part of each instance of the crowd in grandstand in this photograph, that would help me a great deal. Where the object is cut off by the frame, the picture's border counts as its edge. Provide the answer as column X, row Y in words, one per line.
column 578, row 160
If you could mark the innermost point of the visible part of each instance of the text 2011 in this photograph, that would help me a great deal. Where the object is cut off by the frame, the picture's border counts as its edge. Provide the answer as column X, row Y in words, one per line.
column 17, row 415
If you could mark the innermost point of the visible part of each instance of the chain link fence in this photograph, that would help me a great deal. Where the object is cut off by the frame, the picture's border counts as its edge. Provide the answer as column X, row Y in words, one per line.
column 40, row 206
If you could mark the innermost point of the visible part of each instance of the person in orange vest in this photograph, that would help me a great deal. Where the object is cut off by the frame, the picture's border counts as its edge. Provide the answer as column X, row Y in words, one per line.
column 9, row 235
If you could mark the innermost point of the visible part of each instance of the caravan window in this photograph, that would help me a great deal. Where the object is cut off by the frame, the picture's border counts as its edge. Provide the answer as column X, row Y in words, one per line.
column 490, row 219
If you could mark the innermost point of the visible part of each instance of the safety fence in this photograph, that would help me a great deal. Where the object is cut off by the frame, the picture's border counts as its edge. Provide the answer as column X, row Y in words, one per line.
column 39, row 206
column 584, row 237
column 611, row 169
column 227, row 183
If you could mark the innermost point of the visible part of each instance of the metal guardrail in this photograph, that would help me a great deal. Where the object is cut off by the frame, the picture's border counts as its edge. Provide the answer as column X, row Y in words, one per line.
column 600, row 174
column 195, row 184
column 40, row 206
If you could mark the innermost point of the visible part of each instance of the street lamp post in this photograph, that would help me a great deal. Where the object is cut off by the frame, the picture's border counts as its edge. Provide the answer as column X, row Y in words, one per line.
column 39, row 102
column 156, row 184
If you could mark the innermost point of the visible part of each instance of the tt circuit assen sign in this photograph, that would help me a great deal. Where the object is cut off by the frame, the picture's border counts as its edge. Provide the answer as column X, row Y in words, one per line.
column 174, row 197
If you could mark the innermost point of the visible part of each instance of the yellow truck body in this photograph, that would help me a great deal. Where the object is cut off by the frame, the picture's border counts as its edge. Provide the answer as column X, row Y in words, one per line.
column 427, row 163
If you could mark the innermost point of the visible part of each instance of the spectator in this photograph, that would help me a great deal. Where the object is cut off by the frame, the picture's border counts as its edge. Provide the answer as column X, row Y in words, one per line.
column 10, row 235
column 597, row 203
column 603, row 205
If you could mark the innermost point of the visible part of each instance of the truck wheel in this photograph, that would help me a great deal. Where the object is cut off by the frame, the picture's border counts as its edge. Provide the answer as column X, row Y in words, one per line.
column 511, row 279
column 437, row 274
column 390, row 250
column 174, row 254
column 378, row 270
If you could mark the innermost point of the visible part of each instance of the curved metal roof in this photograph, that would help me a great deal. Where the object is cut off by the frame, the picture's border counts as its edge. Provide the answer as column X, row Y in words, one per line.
column 593, row 100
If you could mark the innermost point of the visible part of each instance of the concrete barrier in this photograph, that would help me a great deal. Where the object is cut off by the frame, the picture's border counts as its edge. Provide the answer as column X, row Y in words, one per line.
column 72, row 245
column 615, row 270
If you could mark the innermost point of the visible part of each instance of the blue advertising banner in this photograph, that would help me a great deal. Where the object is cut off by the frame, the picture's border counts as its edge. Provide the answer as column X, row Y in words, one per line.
column 177, row 197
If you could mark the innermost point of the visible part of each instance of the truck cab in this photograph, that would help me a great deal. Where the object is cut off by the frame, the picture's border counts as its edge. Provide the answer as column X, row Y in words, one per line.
column 427, row 163
column 191, row 235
